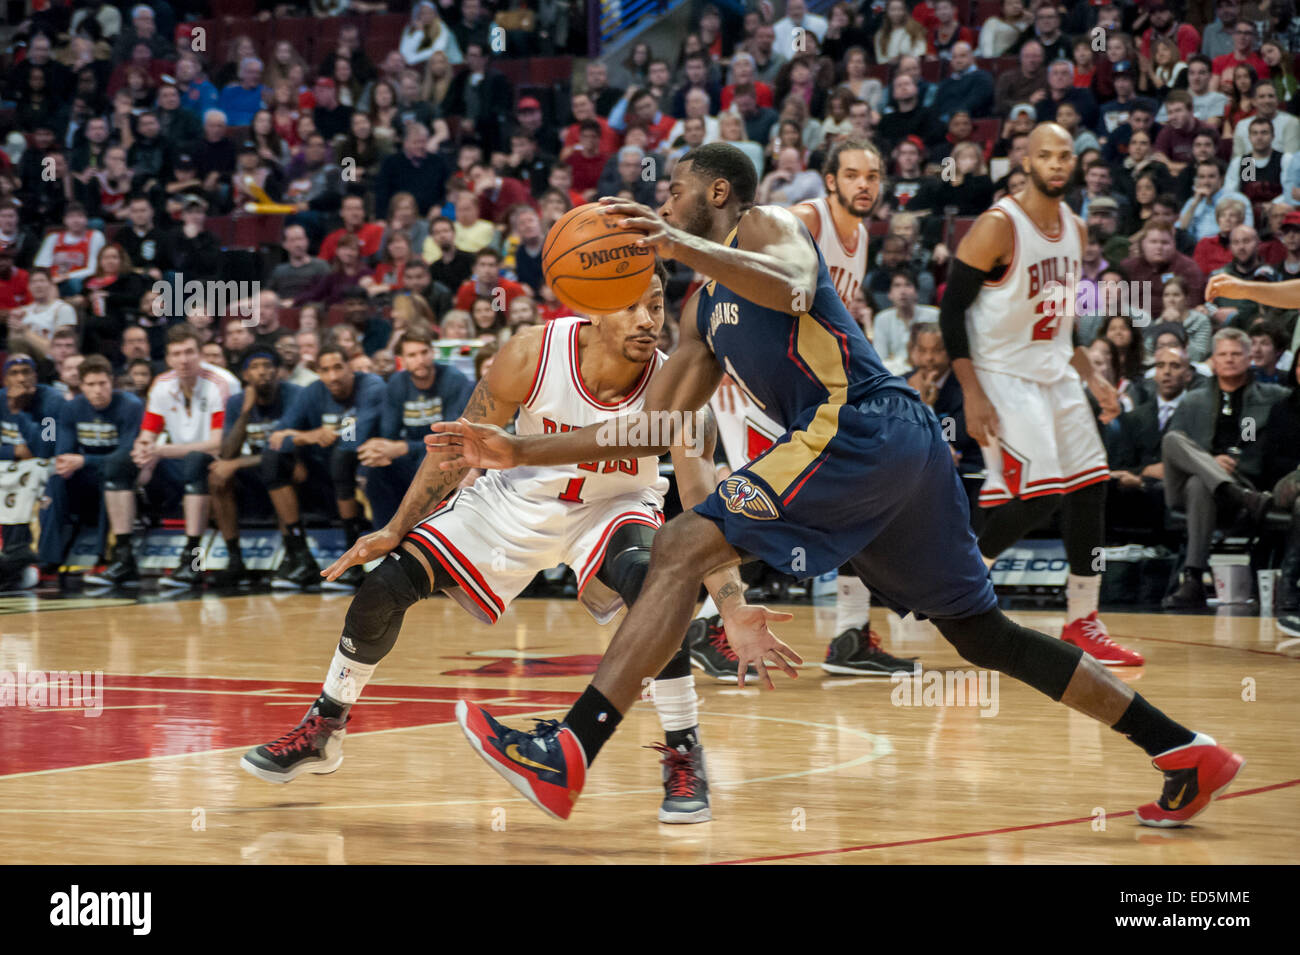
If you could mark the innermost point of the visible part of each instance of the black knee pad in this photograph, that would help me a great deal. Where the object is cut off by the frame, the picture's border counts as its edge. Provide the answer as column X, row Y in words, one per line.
column 627, row 558
column 276, row 469
column 375, row 615
column 194, row 472
column 343, row 472
column 993, row 641
column 119, row 472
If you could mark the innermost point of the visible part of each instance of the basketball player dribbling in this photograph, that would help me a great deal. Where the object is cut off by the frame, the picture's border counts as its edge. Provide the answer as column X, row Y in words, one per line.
column 485, row 543
column 836, row 223
column 863, row 475
column 1019, row 370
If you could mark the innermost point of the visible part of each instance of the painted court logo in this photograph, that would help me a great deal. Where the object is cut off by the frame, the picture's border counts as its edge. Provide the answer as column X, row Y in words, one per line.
column 745, row 497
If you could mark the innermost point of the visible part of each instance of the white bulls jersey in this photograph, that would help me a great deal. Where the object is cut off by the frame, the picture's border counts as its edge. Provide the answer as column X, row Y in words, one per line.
column 1023, row 324
column 847, row 266
column 559, row 401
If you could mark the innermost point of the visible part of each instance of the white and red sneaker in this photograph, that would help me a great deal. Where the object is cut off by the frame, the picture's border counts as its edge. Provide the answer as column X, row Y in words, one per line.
column 1090, row 635
column 1194, row 774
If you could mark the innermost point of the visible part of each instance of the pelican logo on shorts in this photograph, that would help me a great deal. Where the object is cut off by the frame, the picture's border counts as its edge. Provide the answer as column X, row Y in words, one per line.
column 744, row 497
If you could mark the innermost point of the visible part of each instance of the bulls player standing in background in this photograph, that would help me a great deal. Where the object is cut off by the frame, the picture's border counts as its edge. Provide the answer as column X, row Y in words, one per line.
column 1012, row 348
column 837, row 224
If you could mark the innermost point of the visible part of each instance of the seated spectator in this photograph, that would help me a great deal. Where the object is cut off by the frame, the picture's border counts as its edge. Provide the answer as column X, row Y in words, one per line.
column 1258, row 174
column 1137, row 472
column 214, row 157
column 930, row 375
column 967, row 88
column 496, row 193
column 743, row 73
column 487, row 282
column 1289, row 235
column 15, row 238
column 425, row 391
column 1141, row 161
column 1243, row 53
column 1245, row 264
column 448, row 265
column 1046, row 31
column 1198, row 214
column 1174, row 144
column 1098, row 184
column 1213, row 252
column 899, row 34
column 213, row 354
column 71, row 254
column 1129, row 353
column 1174, row 310
column 892, row 325
column 789, row 183
column 1209, row 467
column 194, row 251
column 370, row 331
column 908, row 118
column 697, row 107
column 526, row 161
column 255, row 180
column 472, row 231
column 455, row 326
column 1281, row 454
column 144, row 243
column 314, row 186
column 427, row 34
column 524, row 248
column 300, row 271
column 187, row 404
column 908, row 181
column 368, row 234
column 414, row 170
column 629, row 169
column 113, row 296
column 1061, row 90
column 32, row 326
column 999, row 34
column 1157, row 260
column 1024, row 84
column 346, row 274
column 240, row 101
column 1267, row 346
column 303, row 372
column 323, row 427
column 390, row 273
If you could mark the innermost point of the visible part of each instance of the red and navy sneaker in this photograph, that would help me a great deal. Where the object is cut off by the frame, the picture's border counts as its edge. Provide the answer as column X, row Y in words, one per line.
column 313, row 746
column 706, row 642
column 854, row 653
column 1195, row 773
column 686, row 784
column 1090, row 635
column 547, row 765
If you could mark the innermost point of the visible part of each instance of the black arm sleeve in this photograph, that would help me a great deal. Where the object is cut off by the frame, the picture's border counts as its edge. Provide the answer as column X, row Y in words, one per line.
column 964, row 283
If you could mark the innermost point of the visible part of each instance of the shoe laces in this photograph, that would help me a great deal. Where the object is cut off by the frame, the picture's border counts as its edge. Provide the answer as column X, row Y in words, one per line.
column 872, row 640
column 681, row 770
column 1096, row 631
column 302, row 736
column 545, row 727
column 717, row 637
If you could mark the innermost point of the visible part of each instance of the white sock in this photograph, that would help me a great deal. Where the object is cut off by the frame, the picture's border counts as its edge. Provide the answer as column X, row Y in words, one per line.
column 852, row 603
column 710, row 609
column 676, row 703
column 1081, row 594
column 347, row 678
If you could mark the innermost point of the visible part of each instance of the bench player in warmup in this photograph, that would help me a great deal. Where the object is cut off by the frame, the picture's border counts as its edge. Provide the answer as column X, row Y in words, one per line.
column 1011, row 343
column 486, row 542
column 863, row 475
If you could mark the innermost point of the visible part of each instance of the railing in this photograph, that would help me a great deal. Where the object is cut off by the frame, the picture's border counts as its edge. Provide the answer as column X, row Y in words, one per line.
column 617, row 17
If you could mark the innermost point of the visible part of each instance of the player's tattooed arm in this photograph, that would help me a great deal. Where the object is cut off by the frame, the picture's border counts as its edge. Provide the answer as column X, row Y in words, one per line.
column 693, row 458
column 495, row 400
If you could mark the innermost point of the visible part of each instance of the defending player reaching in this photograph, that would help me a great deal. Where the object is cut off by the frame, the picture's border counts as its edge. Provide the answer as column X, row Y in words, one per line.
column 862, row 475
column 1011, row 342
column 486, row 542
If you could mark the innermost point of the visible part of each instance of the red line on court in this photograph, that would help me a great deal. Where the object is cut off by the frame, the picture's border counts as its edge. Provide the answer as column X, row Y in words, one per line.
column 1213, row 646
column 972, row 835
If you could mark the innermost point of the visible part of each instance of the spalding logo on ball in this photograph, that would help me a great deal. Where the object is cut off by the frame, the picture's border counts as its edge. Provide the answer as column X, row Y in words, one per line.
column 592, row 265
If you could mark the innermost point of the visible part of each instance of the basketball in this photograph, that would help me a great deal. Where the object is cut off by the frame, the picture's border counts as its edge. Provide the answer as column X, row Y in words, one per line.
column 592, row 265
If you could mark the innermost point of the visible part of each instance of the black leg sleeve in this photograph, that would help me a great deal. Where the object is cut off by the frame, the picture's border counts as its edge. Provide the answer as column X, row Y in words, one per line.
column 995, row 642
column 1011, row 521
column 1083, row 527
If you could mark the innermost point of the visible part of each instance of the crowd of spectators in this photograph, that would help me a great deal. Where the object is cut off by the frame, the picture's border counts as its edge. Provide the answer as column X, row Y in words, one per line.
column 411, row 187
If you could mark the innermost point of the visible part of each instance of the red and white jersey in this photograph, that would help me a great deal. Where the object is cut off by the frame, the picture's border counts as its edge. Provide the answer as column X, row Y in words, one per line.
column 559, row 401
column 187, row 422
column 848, row 266
column 1023, row 324
column 64, row 254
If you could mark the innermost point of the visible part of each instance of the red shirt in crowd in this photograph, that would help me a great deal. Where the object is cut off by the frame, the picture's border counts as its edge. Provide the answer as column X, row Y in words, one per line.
column 13, row 290
column 762, row 93
column 586, row 169
column 610, row 139
column 494, row 203
column 1228, row 62
column 468, row 291
column 369, row 235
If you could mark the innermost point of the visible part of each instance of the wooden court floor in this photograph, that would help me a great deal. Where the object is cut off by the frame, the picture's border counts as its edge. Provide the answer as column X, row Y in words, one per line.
column 823, row 770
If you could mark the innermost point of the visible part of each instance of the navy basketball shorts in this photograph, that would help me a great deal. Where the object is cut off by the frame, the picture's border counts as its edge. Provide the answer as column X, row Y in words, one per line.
column 872, row 485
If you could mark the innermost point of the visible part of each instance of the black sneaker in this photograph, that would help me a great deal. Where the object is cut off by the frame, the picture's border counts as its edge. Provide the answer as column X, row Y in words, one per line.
column 706, row 641
column 120, row 572
column 350, row 579
column 298, row 570
column 1190, row 594
column 184, row 575
column 313, row 746
column 854, row 654
column 232, row 578
column 686, row 784
column 1290, row 624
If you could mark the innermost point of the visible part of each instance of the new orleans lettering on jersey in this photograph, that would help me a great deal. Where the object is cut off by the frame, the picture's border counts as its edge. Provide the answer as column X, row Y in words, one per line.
column 97, row 434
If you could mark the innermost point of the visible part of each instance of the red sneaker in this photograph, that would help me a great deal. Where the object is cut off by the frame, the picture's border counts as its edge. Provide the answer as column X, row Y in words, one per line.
column 1089, row 634
column 1194, row 774
column 547, row 766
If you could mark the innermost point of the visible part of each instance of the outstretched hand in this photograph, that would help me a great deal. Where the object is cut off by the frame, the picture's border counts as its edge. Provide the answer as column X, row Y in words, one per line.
column 366, row 549
column 471, row 445
column 756, row 645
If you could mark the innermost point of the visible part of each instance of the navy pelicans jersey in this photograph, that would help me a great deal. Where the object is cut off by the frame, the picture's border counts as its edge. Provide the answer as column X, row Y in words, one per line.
column 1018, row 325
column 792, row 365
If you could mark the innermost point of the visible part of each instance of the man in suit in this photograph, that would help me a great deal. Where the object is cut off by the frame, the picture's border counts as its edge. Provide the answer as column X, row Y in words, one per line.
column 1212, row 451
column 942, row 392
column 1137, row 498
column 483, row 97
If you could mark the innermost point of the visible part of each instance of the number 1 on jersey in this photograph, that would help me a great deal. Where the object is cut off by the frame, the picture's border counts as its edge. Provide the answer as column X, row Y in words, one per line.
column 573, row 491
